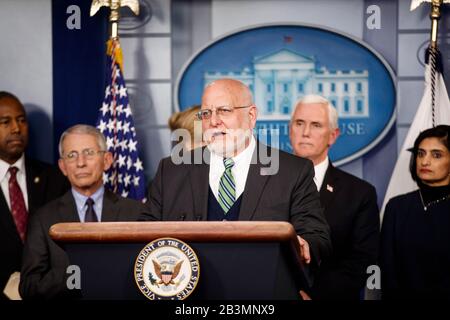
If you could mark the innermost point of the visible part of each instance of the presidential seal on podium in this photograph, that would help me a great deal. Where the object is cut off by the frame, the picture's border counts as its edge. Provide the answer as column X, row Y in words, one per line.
column 167, row 269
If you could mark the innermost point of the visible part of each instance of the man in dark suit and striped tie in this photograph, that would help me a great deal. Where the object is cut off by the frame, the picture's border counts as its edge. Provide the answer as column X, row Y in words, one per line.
column 232, row 180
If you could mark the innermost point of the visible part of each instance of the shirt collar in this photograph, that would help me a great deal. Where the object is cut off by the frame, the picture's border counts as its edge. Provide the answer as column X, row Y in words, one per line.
column 4, row 166
column 319, row 172
column 80, row 199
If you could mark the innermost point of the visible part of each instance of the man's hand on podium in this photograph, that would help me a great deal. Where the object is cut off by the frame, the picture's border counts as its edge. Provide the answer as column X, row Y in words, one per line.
column 304, row 250
column 304, row 295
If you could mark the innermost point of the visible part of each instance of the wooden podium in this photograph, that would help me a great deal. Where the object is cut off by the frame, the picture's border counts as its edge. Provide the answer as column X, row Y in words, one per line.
column 238, row 260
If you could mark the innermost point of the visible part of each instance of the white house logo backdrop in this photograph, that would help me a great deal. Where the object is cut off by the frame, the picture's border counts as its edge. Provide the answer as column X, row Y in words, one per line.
column 167, row 269
column 282, row 63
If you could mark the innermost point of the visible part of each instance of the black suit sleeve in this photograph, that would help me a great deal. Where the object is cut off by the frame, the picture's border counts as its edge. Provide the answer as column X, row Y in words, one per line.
column 307, row 215
column 389, row 282
column 39, row 278
column 350, row 269
column 154, row 202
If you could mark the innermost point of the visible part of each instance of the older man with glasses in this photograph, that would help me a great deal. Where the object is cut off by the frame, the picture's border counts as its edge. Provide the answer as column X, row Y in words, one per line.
column 83, row 159
column 233, row 180
column 350, row 204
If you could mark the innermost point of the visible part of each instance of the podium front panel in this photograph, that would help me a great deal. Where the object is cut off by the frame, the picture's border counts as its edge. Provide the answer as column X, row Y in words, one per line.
column 237, row 270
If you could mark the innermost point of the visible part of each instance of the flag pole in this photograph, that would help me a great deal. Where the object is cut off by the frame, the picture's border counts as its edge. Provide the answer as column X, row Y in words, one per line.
column 115, row 122
column 435, row 15
column 114, row 16
column 434, row 95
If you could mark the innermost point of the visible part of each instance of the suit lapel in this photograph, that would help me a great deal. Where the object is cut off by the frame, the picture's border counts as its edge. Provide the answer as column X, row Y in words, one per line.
column 6, row 218
column 254, row 187
column 199, row 178
column 34, row 185
column 110, row 210
column 67, row 208
column 33, row 193
column 328, row 189
column 3, row 203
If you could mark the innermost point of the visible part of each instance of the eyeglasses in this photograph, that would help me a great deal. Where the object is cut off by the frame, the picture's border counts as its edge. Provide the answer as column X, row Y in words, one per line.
column 223, row 112
column 88, row 154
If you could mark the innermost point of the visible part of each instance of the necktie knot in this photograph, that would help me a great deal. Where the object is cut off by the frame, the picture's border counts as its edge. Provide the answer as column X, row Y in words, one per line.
column 90, row 202
column 228, row 163
column 90, row 215
column 13, row 171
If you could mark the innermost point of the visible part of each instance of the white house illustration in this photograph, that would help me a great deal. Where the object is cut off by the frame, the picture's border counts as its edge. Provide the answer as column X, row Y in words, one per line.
column 279, row 79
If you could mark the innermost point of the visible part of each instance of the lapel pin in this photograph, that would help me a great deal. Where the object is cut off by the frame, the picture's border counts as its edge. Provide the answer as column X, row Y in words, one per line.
column 36, row 180
column 329, row 188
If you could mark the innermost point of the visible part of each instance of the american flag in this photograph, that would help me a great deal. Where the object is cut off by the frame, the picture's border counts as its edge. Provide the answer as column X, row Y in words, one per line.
column 115, row 121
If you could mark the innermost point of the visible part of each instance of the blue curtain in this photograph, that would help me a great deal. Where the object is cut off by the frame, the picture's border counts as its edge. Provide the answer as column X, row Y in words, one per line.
column 79, row 63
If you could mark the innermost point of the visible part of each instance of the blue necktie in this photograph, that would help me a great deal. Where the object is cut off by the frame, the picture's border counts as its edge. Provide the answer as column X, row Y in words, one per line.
column 90, row 212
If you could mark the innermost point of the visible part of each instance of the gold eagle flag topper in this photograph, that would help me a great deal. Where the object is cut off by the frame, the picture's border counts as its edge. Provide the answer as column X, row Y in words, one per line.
column 435, row 15
column 433, row 51
column 114, row 16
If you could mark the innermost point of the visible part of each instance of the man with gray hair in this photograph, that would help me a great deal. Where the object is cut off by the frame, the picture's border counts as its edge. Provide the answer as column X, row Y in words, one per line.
column 83, row 159
column 231, row 182
column 350, row 203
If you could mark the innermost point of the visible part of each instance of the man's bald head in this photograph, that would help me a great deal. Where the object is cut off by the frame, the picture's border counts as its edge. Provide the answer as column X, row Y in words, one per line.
column 238, row 92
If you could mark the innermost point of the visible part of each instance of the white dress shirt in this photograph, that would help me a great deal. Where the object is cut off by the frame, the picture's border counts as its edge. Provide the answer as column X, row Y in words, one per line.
column 240, row 169
column 21, row 179
column 319, row 173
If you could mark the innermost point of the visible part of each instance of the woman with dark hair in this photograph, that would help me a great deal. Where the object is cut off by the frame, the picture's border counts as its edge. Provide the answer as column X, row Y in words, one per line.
column 415, row 236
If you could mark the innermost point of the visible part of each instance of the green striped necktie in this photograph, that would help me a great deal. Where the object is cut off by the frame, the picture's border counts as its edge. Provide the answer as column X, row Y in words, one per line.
column 227, row 186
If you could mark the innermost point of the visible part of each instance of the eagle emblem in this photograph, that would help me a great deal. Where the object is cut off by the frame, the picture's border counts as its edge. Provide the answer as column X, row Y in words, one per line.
column 115, row 5
column 167, row 269
column 167, row 272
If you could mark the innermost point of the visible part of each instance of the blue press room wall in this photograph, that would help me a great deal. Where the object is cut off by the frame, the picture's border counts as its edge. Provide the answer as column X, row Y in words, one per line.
column 59, row 73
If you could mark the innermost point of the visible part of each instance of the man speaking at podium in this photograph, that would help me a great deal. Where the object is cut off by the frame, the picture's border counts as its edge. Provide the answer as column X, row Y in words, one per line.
column 231, row 180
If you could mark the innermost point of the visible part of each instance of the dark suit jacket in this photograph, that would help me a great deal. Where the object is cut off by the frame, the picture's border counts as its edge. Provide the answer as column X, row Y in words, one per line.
column 180, row 192
column 44, row 183
column 44, row 262
column 415, row 249
column 352, row 213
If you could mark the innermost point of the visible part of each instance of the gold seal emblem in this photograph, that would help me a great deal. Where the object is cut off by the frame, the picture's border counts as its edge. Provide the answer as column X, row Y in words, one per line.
column 167, row 269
